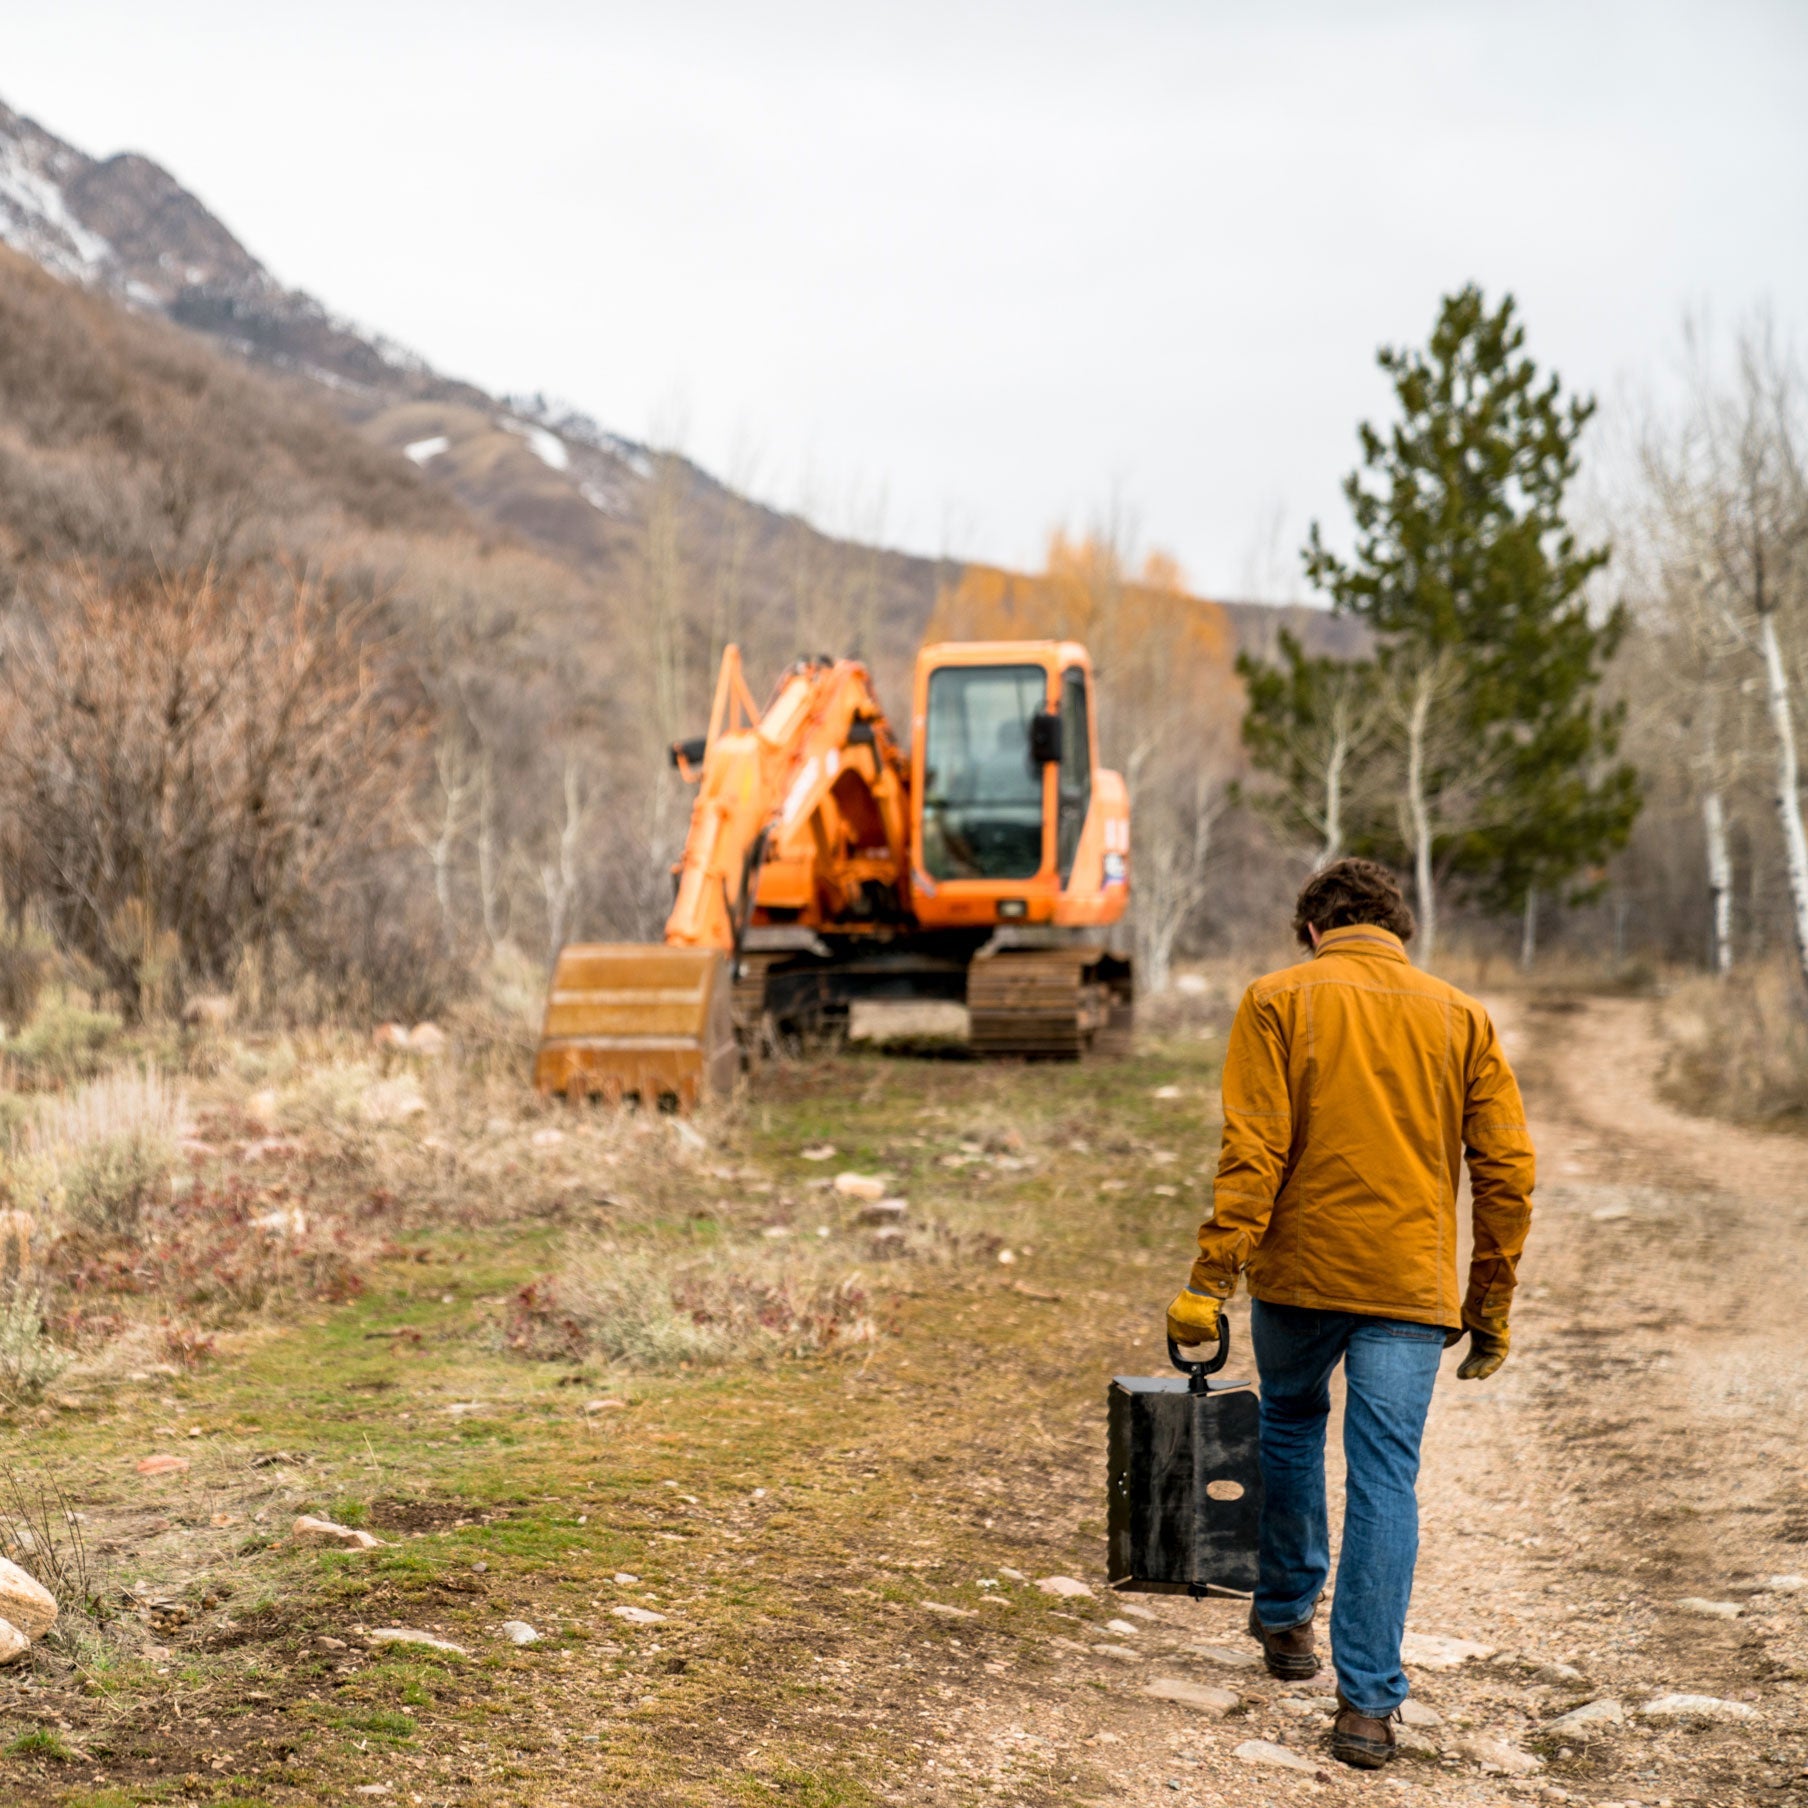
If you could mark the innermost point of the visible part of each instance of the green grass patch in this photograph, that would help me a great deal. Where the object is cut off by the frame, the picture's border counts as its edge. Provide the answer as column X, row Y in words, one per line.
column 41, row 1742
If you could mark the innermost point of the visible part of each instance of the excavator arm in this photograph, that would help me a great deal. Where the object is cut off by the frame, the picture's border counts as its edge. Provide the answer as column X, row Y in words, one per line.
column 800, row 811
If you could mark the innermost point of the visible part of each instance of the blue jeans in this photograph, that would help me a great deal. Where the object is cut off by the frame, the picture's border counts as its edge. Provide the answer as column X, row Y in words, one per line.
column 1389, row 1368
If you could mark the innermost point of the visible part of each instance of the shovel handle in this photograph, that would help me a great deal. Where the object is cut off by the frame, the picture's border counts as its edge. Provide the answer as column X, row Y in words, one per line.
column 1198, row 1371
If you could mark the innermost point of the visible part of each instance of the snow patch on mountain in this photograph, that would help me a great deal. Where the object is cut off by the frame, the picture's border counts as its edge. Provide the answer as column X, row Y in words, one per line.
column 35, row 217
column 424, row 449
column 576, row 427
column 545, row 446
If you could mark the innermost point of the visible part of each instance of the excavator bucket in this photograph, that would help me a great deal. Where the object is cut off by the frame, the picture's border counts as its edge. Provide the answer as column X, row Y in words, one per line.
column 627, row 1020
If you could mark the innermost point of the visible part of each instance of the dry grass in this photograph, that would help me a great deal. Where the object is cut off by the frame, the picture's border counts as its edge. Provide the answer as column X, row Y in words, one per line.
column 1741, row 1047
column 94, row 1157
column 651, row 1308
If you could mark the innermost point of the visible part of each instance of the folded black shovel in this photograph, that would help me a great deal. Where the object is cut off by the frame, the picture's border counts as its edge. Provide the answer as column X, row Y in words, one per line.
column 1185, row 1486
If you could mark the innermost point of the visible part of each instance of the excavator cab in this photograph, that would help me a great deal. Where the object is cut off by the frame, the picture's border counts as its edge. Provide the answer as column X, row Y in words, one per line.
column 1015, row 823
column 1022, row 841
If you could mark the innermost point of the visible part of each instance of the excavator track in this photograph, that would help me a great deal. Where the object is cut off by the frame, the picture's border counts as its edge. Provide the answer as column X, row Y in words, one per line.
column 1050, row 1004
column 750, row 996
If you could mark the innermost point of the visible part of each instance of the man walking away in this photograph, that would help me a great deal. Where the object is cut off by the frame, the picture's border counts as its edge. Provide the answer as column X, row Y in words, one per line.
column 1352, row 1084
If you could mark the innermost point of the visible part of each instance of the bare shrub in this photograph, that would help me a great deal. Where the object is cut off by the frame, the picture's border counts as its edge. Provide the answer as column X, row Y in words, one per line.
column 24, row 964
column 221, row 1253
column 196, row 765
column 97, row 1154
column 29, row 1360
column 41, row 1531
column 64, row 1042
column 107, row 1185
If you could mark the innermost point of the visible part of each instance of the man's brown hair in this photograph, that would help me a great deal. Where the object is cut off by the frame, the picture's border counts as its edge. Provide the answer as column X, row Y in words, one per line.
column 1352, row 891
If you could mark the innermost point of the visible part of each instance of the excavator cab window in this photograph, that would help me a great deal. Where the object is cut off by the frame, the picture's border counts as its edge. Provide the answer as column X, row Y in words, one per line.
column 982, row 790
column 1075, row 791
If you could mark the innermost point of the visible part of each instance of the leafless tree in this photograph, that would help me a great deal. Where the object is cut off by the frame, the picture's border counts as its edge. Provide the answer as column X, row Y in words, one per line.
column 1732, row 494
column 196, row 765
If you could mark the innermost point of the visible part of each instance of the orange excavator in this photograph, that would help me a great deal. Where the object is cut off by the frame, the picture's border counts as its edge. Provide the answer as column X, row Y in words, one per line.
column 826, row 865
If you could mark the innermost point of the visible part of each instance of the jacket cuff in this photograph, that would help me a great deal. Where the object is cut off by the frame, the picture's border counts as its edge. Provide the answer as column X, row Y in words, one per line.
column 1213, row 1286
column 1490, row 1295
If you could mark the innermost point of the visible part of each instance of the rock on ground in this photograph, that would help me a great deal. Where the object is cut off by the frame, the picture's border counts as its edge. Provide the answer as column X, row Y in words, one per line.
column 1589, row 1714
column 25, row 1602
column 1428, row 1651
column 407, row 1635
column 1696, row 1707
column 638, row 1616
column 1064, row 1586
column 1261, row 1751
column 1710, row 1610
column 13, row 1643
column 518, row 1632
column 860, row 1186
column 310, row 1530
column 1414, row 1712
column 1193, row 1694
column 1226, row 1655
column 1497, row 1754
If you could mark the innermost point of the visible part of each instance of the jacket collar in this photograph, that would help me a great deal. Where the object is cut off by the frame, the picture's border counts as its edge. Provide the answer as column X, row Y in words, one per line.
column 1361, row 938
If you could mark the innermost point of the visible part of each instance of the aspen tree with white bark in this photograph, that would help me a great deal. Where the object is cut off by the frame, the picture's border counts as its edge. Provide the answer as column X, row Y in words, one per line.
column 1744, row 520
column 1311, row 726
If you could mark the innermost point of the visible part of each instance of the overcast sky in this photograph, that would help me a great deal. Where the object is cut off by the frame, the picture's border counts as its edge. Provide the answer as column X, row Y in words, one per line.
column 958, row 273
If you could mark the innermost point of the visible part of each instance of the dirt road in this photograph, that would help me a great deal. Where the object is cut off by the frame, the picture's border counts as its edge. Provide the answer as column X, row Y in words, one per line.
column 1644, row 1449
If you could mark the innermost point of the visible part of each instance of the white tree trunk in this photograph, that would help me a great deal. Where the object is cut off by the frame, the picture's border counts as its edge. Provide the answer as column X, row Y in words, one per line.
column 1528, row 930
column 1789, row 794
column 559, row 882
column 1720, row 882
column 489, row 867
column 1334, row 765
column 1171, row 882
column 1418, row 812
column 455, row 787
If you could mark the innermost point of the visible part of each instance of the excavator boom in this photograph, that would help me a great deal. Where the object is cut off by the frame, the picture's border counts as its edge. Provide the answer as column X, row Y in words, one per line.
column 655, row 1023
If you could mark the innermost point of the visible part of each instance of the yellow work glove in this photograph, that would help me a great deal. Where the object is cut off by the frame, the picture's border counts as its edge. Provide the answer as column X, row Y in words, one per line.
column 1489, row 1339
column 1193, row 1317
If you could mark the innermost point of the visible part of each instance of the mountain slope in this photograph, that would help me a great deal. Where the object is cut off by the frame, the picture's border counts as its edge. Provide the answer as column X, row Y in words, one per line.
column 544, row 473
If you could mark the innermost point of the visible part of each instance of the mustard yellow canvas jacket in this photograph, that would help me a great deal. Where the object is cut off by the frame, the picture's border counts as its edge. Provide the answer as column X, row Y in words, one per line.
column 1353, row 1085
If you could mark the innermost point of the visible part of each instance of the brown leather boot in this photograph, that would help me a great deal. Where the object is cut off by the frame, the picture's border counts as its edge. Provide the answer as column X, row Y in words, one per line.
column 1288, row 1654
column 1360, row 1739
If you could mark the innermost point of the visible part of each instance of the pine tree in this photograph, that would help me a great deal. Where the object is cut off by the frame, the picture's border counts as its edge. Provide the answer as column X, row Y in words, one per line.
column 1474, row 585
